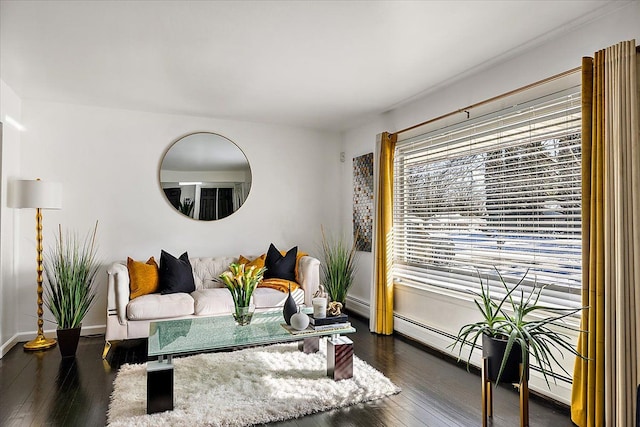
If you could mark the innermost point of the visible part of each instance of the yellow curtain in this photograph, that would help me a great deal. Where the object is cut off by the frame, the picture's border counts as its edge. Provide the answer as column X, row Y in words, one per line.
column 383, row 281
column 604, row 383
column 587, row 401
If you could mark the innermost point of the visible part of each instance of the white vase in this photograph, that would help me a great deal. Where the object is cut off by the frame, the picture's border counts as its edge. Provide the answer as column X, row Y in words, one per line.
column 299, row 321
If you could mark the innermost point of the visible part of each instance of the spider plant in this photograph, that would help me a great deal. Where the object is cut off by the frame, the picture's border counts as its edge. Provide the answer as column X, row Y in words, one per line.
column 71, row 268
column 521, row 319
column 338, row 268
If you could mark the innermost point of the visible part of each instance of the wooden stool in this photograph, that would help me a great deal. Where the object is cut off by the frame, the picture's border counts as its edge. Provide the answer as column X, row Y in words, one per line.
column 487, row 396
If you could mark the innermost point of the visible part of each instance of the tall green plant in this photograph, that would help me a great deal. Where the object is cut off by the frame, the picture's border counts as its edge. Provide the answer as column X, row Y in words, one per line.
column 339, row 267
column 536, row 328
column 71, row 268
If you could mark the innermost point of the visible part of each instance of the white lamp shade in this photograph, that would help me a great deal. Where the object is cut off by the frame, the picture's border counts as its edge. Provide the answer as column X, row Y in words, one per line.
column 35, row 194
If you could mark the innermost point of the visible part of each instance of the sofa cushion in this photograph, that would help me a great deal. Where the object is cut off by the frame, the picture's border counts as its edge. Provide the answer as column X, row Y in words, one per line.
column 143, row 277
column 259, row 262
column 209, row 302
column 175, row 274
column 281, row 267
column 158, row 306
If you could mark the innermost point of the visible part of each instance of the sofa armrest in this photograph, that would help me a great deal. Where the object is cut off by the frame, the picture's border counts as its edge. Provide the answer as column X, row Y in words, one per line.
column 118, row 291
column 309, row 276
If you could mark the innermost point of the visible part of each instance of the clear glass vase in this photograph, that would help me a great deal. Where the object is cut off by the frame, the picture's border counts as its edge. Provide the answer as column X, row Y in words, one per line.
column 243, row 315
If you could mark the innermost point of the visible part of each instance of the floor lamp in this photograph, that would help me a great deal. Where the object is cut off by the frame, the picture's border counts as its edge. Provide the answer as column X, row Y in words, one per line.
column 39, row 195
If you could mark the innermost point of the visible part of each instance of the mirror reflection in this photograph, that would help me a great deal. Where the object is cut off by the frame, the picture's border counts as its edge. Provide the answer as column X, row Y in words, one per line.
column 205, row 176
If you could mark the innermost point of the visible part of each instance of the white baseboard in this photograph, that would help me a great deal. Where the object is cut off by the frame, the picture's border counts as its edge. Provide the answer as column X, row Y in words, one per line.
column 358, row 306
column 424, row 335
column 26, row 336
column 8, row 345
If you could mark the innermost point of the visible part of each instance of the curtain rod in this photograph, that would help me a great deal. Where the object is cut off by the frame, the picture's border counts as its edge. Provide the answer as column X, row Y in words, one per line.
column 495, row 98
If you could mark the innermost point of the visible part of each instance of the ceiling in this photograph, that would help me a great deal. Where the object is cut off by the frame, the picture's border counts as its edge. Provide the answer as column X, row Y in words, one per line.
column 314, row 64
column 206, row 152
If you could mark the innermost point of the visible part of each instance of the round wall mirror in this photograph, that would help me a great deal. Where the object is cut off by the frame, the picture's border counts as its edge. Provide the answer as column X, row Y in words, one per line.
column 205, row 176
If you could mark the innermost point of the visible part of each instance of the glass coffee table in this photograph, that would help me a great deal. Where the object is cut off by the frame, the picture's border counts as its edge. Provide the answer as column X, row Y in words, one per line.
column 169, row 338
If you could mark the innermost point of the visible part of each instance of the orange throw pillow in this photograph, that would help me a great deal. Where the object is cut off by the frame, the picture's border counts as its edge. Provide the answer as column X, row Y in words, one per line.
column 257, row 263
column 143, row 277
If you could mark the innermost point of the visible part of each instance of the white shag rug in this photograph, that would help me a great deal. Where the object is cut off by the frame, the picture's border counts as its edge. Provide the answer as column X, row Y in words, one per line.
column 246, row 387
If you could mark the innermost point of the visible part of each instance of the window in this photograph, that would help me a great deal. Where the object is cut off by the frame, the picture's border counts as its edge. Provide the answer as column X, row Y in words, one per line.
column 501, row 190
column 215, row 203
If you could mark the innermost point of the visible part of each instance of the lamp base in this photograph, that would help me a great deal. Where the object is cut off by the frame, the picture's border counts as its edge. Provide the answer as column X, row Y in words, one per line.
column 40, row 343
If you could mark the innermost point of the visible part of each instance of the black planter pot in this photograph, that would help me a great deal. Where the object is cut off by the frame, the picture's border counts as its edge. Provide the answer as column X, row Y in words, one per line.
column 493, row 349
column 68, row 341
column 290, row 308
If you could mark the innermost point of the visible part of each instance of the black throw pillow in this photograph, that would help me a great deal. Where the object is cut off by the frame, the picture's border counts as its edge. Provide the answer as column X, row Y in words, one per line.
column 175, row 274
column 281, row 267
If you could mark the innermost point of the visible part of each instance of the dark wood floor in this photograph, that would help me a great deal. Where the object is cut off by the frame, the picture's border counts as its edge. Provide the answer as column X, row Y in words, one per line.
column 40, row 389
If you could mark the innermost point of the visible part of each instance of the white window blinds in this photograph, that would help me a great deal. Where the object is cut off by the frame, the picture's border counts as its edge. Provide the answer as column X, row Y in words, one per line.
column 502, row 190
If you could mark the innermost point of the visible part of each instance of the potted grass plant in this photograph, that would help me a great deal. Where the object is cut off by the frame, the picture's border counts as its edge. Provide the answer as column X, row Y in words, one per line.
column 70, row 269
column 338, row 267
column 514, row 328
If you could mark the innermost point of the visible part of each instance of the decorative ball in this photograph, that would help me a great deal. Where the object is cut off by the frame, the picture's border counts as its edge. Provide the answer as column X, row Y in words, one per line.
column 299, row 321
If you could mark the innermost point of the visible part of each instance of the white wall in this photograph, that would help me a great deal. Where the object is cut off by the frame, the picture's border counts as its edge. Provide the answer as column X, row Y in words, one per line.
column 107, row 161
column 564, row 52
column 10, row 105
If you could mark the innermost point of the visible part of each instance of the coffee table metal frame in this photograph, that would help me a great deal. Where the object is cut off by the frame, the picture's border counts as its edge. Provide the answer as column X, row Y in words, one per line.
column 169, row 338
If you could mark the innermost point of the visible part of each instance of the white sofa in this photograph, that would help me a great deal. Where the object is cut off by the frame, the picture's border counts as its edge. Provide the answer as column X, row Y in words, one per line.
column 128, row 319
